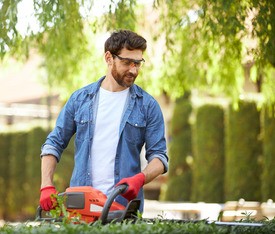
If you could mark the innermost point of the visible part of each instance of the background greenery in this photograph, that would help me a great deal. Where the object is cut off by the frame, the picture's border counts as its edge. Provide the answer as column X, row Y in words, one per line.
column 214, row 157
column 180, row 150
column 211, row 47
column 244, row 149
column 208, row 152
column 157, row 226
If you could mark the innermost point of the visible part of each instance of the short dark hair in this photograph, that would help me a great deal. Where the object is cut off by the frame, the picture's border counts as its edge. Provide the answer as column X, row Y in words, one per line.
column 124, row 39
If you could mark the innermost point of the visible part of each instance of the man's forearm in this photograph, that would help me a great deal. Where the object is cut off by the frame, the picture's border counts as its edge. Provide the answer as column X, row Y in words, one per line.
column 48, row 165
column 153, row 169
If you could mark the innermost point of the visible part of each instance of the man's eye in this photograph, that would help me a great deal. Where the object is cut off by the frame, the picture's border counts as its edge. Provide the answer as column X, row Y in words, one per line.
column 127, row 62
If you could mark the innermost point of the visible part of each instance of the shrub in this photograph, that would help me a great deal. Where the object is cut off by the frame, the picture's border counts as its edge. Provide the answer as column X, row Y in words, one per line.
column 208, row 143
column 180, row 148
column 36, row 138
column 17, row 179
column 243, row 150
column 158, row 226
column 5, row 141
column 268, row 175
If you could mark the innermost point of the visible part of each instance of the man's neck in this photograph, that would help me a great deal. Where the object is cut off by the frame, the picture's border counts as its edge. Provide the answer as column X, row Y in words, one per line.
column 110, row 84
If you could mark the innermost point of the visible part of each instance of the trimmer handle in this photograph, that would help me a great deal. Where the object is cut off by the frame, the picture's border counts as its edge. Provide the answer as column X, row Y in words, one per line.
column 117, row 191
column 39, row 213
column 39, row 217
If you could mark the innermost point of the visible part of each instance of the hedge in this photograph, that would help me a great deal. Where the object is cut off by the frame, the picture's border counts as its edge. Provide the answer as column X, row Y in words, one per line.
column 180, row 148
column 5, row 142
column 17, row 190
column 20, row 172
column 268, row 175
column 36, row 138
column 243, row 151
column 159, row 226
column 208, row 144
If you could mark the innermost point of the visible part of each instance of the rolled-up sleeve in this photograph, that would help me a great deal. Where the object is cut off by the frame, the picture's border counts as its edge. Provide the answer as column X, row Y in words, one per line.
column 50, row 150
column 155, row 144
column 60, row 136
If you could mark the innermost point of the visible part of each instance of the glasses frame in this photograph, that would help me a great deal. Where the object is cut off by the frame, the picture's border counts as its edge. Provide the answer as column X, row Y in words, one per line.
column 133, row 62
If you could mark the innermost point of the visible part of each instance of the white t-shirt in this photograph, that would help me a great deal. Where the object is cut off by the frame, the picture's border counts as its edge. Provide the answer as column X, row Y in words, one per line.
column 106, row 136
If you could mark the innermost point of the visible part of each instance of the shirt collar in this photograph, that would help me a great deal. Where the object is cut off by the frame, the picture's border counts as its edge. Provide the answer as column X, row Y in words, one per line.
column 134, row 89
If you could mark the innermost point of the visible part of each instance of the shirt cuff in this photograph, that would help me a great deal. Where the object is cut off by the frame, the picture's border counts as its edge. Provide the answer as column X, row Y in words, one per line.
column 49, row 150
column 162, row 158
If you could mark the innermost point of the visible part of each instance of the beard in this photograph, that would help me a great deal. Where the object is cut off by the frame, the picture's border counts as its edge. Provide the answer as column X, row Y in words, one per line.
column 124, row 79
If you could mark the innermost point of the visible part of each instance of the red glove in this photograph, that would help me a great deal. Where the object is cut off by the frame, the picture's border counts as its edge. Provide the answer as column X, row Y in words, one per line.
column 134, row 184
column 46, row 201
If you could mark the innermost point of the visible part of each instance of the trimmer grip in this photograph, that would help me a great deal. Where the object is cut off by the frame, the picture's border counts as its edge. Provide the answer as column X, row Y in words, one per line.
column 117, row 191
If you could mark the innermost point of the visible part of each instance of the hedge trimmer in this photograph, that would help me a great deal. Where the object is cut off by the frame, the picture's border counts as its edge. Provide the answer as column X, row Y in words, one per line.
column 87, row 204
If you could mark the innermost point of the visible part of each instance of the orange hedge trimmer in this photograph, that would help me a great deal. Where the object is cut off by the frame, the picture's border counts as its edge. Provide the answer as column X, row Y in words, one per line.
column 91, row 205
column 88, row 204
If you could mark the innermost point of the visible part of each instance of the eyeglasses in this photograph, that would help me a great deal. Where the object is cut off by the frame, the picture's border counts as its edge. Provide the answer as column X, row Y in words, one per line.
column 130, row 62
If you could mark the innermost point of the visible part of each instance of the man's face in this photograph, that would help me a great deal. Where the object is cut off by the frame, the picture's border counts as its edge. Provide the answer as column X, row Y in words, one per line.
column 126, row 67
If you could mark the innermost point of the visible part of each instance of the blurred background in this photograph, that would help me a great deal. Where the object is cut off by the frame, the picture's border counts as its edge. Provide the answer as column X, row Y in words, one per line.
column 210, row 64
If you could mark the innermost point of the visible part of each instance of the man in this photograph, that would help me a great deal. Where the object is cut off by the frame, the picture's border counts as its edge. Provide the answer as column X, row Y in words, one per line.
column 112, row 119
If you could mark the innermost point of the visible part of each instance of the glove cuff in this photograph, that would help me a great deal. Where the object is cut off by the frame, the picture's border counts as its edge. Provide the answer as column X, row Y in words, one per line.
column 141, row 176
column 47, row 187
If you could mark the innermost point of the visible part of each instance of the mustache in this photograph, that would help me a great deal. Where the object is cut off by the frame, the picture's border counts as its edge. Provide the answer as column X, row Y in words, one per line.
column 131, row 75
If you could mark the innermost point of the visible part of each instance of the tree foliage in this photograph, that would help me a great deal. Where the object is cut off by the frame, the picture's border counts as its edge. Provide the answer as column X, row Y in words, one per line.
column 204, row 44
column 216, row 40
column 61, row 40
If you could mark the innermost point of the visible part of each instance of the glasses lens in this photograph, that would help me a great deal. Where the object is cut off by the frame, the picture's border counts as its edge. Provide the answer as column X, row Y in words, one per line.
column 137, row 64
column 130, row 62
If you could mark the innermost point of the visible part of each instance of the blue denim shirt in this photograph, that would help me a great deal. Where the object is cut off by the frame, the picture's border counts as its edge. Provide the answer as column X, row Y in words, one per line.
column 142, row 123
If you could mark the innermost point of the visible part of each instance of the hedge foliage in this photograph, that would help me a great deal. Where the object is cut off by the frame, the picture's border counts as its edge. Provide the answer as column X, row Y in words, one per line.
column 5, row 142
column 268, row 174
column 243, row 152
column 233, row 153
column 208, row 143
column 140, row 227
column 180, row 148
column 20, row 173
column 18, row 166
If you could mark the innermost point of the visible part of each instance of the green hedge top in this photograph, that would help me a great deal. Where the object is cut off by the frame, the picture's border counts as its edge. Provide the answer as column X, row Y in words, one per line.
column 140, row 227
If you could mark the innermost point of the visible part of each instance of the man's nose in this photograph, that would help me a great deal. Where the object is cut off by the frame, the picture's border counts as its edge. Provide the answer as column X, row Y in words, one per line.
column 133, row 69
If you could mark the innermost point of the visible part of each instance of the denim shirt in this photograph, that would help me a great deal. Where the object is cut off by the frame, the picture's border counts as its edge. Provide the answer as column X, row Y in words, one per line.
column 142, row 123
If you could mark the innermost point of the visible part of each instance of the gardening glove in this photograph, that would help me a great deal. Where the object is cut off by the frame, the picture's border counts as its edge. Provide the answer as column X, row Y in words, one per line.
column 134, row 184
column 47, row 202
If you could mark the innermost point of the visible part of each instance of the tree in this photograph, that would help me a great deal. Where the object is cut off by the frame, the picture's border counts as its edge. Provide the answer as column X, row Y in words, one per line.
column 63, row 39
column 209, row 43
column 217, row 40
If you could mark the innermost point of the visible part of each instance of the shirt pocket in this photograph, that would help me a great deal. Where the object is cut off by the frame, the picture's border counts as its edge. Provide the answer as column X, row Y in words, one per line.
column 135, row 130
column 82, row 122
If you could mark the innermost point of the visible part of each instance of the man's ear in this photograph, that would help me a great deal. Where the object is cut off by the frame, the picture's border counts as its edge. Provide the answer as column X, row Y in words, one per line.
column 108, row 58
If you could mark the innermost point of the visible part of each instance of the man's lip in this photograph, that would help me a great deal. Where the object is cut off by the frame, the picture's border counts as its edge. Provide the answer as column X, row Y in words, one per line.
column 130, row 76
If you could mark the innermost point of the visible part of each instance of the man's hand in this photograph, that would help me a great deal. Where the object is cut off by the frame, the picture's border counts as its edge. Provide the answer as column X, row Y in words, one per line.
column 134, row 184
column 46, row 200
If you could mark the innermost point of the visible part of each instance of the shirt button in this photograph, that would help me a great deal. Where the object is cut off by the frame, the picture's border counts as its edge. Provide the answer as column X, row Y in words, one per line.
column 88, row 173
column 136, row 125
